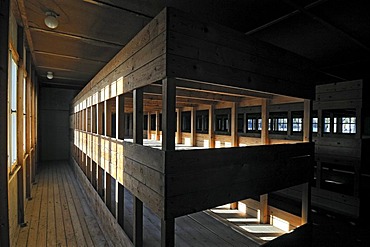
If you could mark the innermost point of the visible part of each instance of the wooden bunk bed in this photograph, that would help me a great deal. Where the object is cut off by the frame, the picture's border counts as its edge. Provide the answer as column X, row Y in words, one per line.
column 178, row 63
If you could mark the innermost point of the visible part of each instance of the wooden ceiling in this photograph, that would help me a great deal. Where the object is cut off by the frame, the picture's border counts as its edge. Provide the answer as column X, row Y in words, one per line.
column 333, row 34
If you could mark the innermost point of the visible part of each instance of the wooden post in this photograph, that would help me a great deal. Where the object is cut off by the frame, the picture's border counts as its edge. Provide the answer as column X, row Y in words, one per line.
column 168, row 144
column 306, row 203
column 178, row 126
column 149, row 130
column 290, row 124
column 307, row 121
column 168, row 232
column 234, row 125
column 138, row 138
column 211, row 129
column 265, row 122
column 120, row 204
column 265, row 140
column 157, row 131
column 234, row 137
column 320, row 130
column 193, row 133
column 4, row 56
column 28, row 139
column 108, row 191
column 264, row 209
column 20, row 151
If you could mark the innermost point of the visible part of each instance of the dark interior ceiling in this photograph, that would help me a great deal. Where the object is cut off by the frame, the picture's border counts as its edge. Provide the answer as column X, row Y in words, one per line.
column 334, row 34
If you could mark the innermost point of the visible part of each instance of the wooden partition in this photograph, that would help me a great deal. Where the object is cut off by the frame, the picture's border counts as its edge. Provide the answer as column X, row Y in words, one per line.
column 179, row 62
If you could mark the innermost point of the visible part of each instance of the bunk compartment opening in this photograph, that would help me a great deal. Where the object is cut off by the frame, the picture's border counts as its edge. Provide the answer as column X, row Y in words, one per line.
column 191, row 115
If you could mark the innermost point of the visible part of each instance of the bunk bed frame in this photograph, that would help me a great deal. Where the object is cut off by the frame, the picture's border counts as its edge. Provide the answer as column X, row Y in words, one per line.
column 176, row 62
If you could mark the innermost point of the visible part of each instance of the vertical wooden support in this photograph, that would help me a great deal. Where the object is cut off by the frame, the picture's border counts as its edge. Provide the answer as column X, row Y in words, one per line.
column 306, row 203
column 264, row 209
column 265, row 140
column 100, row 182
column 290, row 124
column 193, row 132
column 4, row 56
column 234, row 125
column 211, row 129
column 120, row 117
column 108, row 191
column 234, row 137
column 120, row 204
column 149, row 129
column 20, row 151
column 138, row 138
column 178, row 126
column 307, row 121
column 157, row 133
column 28, row 144
column 168, row 144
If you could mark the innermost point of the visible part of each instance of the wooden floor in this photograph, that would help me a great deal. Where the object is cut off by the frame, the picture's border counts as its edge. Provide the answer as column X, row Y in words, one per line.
column 59, row 215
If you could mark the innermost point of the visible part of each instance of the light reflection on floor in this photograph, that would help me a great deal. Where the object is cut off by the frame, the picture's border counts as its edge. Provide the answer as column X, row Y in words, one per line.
column 247, row 224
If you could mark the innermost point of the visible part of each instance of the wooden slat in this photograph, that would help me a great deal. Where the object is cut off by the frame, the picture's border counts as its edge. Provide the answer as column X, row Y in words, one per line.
column 59, row 219
column 232, row 174
column 67, row 218
column 153, row 158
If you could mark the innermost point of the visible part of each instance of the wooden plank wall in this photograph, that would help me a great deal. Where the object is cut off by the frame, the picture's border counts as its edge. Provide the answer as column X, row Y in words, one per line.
column 141, row 62
column 340, row 149
column 142, row 175
column 212, row 53
column 233, row 174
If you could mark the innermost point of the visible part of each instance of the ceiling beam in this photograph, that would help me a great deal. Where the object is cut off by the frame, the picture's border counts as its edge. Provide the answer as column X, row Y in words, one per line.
column 311, row 5
column 329, row 26
column 68, row 57
column 89, row 40
column 213, row 88
column 192, row 94
column 105, row 4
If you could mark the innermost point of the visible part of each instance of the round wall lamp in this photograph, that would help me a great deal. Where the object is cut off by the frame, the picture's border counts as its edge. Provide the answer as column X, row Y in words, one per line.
column 51, row 20
column 50, row 75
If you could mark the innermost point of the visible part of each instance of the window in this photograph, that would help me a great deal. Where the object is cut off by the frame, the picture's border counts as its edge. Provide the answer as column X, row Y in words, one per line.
column 327, row 125
column 13, row 111
column 278, row 122
column 343, row 121
column 202, row 121
column 222, row 117
column 253, row 122
column 297, row 124
column 349, row 125
column 297, row 121
column 315, row 124
column 259, row 124
column 186, row 121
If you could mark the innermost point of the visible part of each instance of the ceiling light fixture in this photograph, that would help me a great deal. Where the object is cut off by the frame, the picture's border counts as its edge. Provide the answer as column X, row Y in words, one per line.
column 50, row 75
column 51, row 20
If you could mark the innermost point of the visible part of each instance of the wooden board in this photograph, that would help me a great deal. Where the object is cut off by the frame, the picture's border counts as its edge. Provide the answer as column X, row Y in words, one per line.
column 232, row 174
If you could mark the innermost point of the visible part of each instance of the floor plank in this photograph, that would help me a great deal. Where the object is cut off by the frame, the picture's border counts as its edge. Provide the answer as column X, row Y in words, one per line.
column 58, row 214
